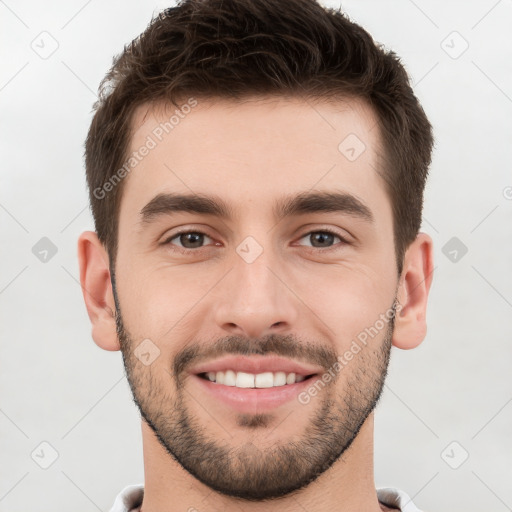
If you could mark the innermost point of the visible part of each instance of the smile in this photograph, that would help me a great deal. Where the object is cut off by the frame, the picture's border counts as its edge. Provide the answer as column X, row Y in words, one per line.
column 250, row 380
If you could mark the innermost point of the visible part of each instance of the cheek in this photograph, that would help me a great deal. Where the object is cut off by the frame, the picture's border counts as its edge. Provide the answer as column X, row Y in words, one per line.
column 347, row 300
column 158, row 299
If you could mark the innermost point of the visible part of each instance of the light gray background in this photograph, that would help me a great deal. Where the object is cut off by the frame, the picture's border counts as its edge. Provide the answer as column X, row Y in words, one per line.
column 58, row 387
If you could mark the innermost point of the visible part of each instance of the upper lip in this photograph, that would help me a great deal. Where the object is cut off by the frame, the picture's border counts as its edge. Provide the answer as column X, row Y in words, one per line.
column 256, row 364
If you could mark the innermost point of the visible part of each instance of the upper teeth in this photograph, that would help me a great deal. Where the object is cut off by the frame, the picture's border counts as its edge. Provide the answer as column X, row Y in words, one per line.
column 250, row 380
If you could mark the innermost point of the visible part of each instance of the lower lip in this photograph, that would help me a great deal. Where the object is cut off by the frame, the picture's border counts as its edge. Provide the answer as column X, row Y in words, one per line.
column 253, row 400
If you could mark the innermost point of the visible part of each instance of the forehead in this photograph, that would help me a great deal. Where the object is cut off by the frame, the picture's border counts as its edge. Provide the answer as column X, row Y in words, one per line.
column 253, row 152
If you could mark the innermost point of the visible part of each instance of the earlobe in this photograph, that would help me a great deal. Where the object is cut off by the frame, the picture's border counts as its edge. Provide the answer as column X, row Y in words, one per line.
column 97, row 290
column 415, row 281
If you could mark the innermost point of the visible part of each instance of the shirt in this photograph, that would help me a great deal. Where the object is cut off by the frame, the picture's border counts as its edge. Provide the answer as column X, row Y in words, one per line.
column 130, row 499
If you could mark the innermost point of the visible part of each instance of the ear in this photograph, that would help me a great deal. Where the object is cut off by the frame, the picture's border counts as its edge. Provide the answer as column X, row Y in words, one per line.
column 97, row 290
column 414, row 285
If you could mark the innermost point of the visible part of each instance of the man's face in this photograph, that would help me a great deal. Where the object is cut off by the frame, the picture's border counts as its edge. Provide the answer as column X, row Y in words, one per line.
column 297, row 284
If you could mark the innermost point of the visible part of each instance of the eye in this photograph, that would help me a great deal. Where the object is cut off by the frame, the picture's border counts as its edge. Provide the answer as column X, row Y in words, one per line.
column 323, row 239
column 194, row 240
column 188, row 239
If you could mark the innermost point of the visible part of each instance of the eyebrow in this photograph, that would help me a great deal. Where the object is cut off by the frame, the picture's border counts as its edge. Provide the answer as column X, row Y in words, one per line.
column 301, row 204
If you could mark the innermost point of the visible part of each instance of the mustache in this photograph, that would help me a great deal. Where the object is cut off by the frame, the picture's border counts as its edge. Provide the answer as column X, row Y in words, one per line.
column 281, row 345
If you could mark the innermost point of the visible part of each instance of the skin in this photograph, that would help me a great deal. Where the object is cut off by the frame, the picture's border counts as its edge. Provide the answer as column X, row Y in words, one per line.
column 250, row 154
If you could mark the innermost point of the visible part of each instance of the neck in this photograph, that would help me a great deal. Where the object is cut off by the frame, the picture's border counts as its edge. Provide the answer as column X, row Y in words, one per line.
column 346, row 486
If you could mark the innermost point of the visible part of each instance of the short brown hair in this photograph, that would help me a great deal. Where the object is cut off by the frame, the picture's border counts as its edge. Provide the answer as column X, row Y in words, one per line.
column 239, row 48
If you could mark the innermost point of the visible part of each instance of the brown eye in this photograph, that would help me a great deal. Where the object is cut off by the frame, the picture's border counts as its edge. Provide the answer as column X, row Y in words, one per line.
column 188, row 239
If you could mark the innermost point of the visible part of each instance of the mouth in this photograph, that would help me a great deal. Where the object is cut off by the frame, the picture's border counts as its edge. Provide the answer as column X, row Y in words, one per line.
column 254, row 381
column 242, row 370
column 246, row 397
column 253, row 384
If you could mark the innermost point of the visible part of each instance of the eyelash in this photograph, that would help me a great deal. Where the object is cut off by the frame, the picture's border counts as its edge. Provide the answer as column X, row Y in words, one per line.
column 196, row 232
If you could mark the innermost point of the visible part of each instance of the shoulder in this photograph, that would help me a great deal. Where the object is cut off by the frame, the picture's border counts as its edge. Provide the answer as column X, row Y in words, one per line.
column 129, row 499
column 395, row 499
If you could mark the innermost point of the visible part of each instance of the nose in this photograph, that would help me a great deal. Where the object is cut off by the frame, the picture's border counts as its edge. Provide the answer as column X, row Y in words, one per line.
column 256, row 300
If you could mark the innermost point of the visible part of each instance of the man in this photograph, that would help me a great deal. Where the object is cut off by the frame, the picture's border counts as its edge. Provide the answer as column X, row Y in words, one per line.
column 256, row 172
